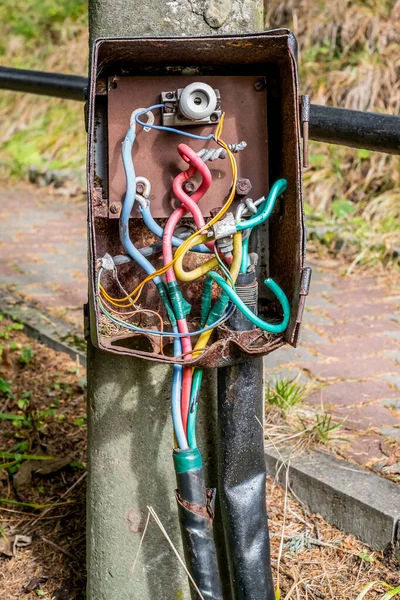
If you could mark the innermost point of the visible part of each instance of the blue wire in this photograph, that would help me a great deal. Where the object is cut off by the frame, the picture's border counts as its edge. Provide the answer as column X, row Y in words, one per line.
column 127, row 206
column 176, row 397
column 225, row 316
column 148, row 268
column 159, row 231
column 162, row 128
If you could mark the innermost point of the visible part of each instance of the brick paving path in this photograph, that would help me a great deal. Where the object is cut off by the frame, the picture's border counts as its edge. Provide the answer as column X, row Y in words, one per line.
column 350, row 350
column 43, row 251
column 350, row 340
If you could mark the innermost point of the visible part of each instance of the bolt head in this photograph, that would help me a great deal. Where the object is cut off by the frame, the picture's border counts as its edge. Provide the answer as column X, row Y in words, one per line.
column 243, row 186
column 188, row 187
column 259, row 85
column 114, row 209
column 169, row 95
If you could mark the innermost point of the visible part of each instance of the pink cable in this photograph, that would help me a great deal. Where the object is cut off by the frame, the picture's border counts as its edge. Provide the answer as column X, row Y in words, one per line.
column 189, row 203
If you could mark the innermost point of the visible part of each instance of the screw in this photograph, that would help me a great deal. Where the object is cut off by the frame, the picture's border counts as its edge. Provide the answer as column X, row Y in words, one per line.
column 188, row 187
column 243, row 186
column 140, row 188
column 169, row 95
column 168, row 107
column 215, row 211
column 214, row 118
column 259, row 85
column 114, row 209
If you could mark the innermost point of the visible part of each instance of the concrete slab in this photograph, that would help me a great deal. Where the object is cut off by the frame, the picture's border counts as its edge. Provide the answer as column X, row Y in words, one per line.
column 350, row 497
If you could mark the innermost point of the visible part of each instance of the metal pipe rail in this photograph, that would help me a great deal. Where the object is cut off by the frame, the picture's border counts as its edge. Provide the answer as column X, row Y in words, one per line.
column 355, row 128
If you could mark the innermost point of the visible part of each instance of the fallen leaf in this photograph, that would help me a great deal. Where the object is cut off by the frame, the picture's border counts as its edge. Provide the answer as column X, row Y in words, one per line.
column 33, row 584
column 8, row 545
column 23, row 477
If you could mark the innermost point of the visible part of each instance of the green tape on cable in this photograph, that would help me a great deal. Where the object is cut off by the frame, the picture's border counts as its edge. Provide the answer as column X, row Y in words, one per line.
column 206, row 301
column 187, row 460
column 180, row 306
column 164, row 297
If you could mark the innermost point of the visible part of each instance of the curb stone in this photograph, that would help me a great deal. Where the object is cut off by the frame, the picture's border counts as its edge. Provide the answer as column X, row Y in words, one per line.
column 348, row 496
column 49, row 330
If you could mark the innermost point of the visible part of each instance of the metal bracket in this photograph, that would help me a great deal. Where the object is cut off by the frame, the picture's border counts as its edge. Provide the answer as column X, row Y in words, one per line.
column 305, row 124
column 172, row 116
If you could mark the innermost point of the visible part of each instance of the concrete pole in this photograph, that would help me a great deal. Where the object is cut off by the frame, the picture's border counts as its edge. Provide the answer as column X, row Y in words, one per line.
column 130, row 429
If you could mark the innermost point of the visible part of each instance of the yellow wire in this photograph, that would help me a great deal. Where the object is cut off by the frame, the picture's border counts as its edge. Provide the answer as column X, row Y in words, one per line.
column 201, row 269
column 234, row 271
column 183, row 248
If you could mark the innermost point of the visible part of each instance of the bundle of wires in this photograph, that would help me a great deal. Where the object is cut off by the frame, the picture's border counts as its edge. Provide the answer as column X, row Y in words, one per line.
column 186, row 381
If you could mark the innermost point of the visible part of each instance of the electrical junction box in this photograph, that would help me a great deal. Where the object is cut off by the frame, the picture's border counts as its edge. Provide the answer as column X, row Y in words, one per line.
column 194, row 81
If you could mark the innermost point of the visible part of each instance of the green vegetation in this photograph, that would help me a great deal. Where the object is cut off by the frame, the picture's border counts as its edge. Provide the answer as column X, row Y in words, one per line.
column 391, row 593
column 286, row 395
column 48, row 133
column 286, row 413
column 348, row 56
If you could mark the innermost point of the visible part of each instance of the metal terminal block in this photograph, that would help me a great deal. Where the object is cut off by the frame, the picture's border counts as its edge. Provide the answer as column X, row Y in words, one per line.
column 224, row 228
column 222, row 231
column 197, row 103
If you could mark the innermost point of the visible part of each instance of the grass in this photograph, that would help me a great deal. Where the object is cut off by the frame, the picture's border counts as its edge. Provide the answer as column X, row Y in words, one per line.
column 286, row 394
column 46, row 133
column 392, row 591
column 348, row 57
column 288, row 421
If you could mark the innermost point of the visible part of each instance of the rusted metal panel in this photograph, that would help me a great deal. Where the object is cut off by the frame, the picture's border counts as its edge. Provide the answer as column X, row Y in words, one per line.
column 155, row 153
column 266, row 62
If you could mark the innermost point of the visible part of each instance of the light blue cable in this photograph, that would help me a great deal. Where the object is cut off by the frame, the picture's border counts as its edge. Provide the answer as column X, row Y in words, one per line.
column 159, row 231
column 171, row 129
column 148, row 267
column 176, row 396
column 158, row 333
column 129, row 201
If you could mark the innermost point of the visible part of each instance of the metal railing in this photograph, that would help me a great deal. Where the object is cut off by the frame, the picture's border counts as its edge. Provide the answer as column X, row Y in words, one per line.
column 372, row 131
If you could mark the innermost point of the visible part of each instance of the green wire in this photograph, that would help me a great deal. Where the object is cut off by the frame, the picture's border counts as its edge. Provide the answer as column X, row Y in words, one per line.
column 244, row 265
column 265, row 209
column 275, row 289
column 194, row 404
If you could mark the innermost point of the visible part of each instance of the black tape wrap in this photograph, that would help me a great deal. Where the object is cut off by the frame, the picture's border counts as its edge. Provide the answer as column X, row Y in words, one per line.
column 196, row 514
column 242, row 472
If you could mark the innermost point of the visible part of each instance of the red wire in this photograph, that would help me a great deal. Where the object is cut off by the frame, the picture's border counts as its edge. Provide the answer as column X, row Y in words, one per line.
column 189, row 203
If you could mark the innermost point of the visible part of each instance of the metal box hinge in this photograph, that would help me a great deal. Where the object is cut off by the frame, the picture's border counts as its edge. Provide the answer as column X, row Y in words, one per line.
column 304, row 289
column 305, row 122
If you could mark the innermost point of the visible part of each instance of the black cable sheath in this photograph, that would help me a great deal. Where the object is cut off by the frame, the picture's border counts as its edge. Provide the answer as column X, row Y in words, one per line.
column 242, row 472
column 196, row 514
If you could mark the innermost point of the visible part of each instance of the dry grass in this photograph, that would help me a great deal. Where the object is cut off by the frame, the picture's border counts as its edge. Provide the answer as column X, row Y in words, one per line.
column 349, row 58
column 317, row 560
column 37, row 131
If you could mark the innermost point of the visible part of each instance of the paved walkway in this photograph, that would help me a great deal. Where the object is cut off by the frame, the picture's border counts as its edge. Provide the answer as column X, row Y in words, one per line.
column 350, row 350
column 350, row 340
column 43, row 253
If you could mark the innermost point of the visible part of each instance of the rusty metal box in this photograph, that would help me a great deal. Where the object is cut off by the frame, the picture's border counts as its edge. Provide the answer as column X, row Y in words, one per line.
column 257, row 78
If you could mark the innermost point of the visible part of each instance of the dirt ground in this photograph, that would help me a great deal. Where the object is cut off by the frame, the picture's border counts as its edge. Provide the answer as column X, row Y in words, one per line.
column 43, row 414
